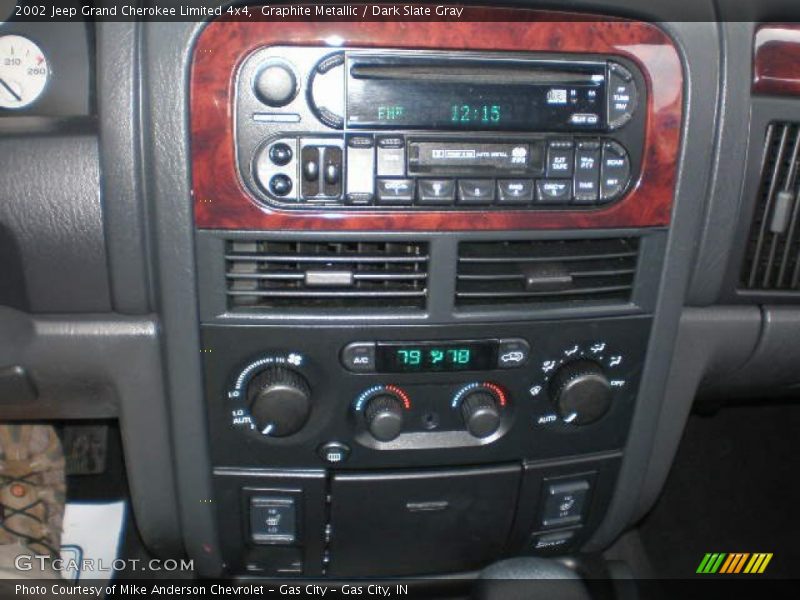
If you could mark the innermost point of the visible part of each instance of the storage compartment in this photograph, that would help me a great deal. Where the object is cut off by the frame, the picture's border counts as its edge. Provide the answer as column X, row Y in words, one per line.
column 413, row 523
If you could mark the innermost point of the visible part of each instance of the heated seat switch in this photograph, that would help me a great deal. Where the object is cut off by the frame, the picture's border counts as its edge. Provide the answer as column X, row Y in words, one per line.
column 273, row 519
column 564, row 503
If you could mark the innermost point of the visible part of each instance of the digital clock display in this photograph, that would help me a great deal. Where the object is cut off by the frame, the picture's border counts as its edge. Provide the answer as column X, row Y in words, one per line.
column 426, row 357
column 484, row 114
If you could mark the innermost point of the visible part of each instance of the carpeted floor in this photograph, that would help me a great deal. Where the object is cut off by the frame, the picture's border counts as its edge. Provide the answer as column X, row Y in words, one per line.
column 734, row 487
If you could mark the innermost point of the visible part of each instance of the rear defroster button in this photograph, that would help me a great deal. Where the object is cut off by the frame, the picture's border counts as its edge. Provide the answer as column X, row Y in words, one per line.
column 334, row 453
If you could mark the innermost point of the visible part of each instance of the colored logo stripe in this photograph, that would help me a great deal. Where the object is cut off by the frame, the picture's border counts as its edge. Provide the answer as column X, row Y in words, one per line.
column 711, row 562
column 758, row 563
column 733, row 563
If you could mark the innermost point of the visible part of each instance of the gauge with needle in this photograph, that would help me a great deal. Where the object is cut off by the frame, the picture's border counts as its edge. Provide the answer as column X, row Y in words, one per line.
column 23, row 72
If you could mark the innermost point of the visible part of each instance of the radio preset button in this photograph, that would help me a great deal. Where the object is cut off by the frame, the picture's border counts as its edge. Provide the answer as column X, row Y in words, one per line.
column 553, row 191
column 395, row 191
column 515, row 191
column 560, row 158
column 359, row 357
column 615, row 171
column 476, row 191
column 436, row 191
column 587, row 172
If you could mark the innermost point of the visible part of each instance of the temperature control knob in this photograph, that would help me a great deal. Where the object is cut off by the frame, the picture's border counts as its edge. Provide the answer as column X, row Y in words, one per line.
column 280, row 401
column 481, row 413
column 384, row 415
column 581, row 392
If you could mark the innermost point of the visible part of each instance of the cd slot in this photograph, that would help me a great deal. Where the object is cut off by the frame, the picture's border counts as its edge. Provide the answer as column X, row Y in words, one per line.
column 503, row 73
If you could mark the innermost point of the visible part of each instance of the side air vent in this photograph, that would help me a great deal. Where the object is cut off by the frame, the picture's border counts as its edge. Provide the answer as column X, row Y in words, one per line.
column 772, row 258
column 267, row 275
column 546, row 272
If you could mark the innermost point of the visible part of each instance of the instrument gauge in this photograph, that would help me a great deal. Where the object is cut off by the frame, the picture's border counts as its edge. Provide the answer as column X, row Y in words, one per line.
column 24, row 72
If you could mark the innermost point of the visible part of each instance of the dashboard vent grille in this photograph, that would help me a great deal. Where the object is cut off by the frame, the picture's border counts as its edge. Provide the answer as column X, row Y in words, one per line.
column 772, row 258
column 546, row 272
column 265, row 275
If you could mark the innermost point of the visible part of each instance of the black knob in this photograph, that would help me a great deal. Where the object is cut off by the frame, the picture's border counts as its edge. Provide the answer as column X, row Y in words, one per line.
column 280, row 154
column 581, row 392
column 280, row 401
column 384, row 415
column 280, row 184
column 275, row 84
column 481, row 413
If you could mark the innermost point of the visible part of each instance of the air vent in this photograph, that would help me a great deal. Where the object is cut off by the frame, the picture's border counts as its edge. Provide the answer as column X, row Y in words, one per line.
column 546, row 272
column 265, row 275
column 772, row 259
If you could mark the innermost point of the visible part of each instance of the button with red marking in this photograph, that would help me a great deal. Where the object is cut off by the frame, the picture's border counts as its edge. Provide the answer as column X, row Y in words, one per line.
column 481, row 407
column 383, row 407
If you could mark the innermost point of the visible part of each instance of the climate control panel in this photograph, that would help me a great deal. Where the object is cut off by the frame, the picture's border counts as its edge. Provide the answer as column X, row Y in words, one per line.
column 532, row 391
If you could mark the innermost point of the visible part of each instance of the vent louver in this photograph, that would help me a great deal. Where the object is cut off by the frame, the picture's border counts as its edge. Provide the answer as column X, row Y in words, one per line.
column 265, row 275
column 772, row 258
column 546, row 272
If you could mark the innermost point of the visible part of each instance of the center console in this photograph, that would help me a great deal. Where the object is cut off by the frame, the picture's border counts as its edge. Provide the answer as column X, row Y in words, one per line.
column 427, row 268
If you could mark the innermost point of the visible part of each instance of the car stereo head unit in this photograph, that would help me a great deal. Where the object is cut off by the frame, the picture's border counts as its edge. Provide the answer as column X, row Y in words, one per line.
column 436, row 92
column 394, row 129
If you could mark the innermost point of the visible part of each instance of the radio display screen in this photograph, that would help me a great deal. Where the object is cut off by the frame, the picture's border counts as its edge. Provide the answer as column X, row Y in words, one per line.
column 433, row 357
column 475, row 96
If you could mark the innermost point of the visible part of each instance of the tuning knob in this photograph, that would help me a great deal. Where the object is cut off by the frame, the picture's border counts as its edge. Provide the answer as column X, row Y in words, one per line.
column 275, row 84
column 384, row 415
column 280, row 401
column 481, row 413
column 581, row 392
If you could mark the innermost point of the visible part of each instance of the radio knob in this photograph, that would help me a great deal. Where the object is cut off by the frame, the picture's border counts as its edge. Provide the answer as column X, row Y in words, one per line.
column 275, row 84
column 384, row 415
column 581, row 392
column 481, row 413
column 280, row 401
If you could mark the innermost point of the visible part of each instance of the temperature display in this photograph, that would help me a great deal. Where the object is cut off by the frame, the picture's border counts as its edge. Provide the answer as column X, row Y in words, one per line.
column 436, row 356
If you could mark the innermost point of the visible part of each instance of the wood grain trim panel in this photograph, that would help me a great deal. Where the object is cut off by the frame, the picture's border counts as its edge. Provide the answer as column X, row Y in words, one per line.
column 776, row 59
column 221, row 202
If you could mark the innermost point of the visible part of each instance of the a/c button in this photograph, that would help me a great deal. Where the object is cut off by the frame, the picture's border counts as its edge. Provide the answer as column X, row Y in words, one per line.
column 359, row 357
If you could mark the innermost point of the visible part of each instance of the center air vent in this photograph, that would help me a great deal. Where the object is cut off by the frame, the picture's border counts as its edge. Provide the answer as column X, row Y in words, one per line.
column 264, row 275
column 772, row 259
column 546, row 272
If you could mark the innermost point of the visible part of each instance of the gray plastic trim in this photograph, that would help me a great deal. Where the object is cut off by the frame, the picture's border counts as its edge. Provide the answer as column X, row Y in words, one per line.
column 165, row 123
column 50, row 209
column 166, row 51
column 441, row 277
column 102, row 366
column 725, row 193
column 699, row 44
column 703, row 350
column 123, row 205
